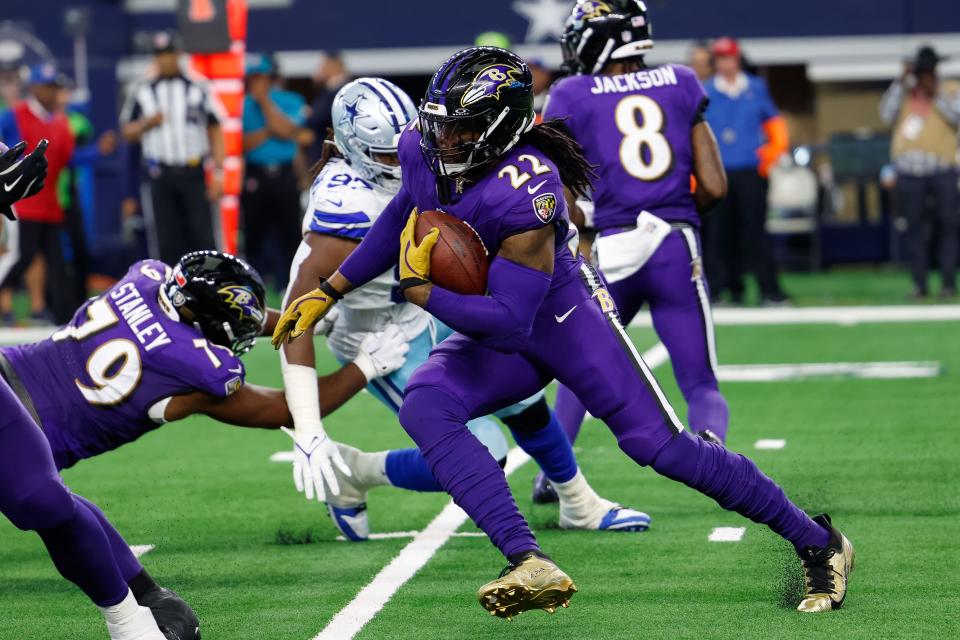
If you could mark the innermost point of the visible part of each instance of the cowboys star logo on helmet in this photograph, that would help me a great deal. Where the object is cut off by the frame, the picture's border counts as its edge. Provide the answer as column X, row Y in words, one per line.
column 368, row 115
column 489, row 82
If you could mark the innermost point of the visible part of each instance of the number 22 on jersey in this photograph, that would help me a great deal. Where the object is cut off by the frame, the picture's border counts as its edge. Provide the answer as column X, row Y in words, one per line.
column 645, row 152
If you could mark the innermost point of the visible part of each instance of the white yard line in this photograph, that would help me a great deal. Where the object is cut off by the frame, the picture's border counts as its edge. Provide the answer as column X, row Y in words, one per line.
column 780, row 372
column 655, row 356
column 393, row 535
column 372, row 598
column 825, row 315
column 10, row 335
column 140, row 550
column 769, row 444
column 722, row 316
column 727, row 534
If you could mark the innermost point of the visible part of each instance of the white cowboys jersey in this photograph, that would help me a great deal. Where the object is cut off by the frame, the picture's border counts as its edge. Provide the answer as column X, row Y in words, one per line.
column 345, row 205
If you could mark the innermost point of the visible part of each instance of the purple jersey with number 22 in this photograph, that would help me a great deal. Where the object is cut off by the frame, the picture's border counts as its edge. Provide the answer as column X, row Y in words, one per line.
column 636, row 127
column 94, row 382
column 521, row 193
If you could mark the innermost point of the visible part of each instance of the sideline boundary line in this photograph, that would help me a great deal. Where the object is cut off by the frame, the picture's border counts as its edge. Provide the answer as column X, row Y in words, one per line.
column 851, row 315
column 825, row 315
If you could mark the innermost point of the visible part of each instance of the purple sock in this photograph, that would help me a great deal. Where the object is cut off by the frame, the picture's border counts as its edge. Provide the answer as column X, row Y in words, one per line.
column 736, row 483
column 465, row 468
column 128, row 564
column 570, row 412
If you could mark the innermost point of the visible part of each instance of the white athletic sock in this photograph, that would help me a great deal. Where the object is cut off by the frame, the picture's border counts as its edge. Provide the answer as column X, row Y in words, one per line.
column 127, row 620
column 122, row 611
column 579, row 503
column 371, row 469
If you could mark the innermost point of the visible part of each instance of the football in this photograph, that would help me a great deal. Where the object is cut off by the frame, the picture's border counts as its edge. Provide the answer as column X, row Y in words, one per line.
column 459, row 261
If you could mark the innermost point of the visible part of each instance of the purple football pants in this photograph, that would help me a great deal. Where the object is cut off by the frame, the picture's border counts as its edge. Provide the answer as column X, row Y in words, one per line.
column 578, row 340
column 673, row 284
column 34, row 498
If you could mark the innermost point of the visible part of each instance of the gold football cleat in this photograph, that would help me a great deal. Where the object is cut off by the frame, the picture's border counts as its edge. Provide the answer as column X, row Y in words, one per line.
column 535, row 583
column 827, row 571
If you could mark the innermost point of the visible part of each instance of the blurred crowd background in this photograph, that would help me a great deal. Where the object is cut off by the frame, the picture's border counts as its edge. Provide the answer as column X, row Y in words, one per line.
column 837, row 122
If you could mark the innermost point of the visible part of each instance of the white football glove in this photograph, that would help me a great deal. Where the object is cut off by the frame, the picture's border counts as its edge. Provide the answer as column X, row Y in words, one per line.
column 382, row 353
column 314, row 455
column 325, row 325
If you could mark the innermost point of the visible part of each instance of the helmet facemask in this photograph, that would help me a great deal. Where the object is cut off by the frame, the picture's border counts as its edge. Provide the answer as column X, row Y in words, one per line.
column 455, row 145
column 379, row 165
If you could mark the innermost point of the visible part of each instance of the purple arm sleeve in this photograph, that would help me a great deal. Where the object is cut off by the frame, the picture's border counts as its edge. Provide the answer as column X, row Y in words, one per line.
column 380, row 248
column 502, row 320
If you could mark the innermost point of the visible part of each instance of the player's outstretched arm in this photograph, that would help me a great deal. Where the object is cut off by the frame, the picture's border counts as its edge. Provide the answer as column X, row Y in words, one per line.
column 266, row 407
column 707, row 168
column 518, row 281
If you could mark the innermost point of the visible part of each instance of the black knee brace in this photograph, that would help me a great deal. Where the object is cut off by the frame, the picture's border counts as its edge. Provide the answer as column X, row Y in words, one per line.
column 533, row 418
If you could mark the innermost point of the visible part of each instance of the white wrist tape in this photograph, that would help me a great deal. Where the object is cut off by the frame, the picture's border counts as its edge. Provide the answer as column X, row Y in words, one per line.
column 365, row 363
column 303, row 398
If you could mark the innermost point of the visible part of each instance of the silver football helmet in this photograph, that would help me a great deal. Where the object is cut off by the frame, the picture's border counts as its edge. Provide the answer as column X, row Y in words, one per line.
column 368, row 116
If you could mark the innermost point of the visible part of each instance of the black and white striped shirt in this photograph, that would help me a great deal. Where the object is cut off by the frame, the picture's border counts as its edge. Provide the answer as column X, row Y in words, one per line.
column 188, row 104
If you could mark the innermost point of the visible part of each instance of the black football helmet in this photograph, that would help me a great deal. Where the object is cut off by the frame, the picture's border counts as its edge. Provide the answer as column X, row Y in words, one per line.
column 598, row 32
column 477, row 105
column 221, row 295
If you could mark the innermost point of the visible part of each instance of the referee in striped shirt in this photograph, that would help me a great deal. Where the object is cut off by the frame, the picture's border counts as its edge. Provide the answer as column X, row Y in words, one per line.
column 175, row 117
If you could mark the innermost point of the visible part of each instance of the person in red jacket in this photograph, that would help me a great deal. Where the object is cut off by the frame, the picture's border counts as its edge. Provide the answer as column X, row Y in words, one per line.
column 35, row 244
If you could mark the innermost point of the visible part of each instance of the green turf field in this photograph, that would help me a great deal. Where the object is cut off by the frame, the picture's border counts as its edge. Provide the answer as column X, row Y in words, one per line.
column 880, row 455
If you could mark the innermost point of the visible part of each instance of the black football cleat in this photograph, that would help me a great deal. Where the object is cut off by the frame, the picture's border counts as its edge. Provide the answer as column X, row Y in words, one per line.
column 827, row 571
column 174, row 616
column 543, row 491
column 710, row 436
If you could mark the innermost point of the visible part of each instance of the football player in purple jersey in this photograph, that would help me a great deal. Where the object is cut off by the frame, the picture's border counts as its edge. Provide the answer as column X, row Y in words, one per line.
column 158, row 346
column 644, row 131
column 354, row 181
column 475, row 154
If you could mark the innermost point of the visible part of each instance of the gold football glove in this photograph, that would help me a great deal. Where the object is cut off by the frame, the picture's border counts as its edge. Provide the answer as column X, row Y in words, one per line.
column 300, row 316
column 414, row 258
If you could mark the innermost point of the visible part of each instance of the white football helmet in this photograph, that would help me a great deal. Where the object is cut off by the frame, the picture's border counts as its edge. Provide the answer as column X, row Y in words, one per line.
column 368, row 116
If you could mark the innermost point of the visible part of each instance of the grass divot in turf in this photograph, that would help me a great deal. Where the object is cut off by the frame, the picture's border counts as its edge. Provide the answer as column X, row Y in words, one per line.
column 291, row 535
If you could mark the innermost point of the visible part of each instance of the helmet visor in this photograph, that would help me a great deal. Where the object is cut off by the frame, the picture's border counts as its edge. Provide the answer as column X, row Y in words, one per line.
column 452, row 144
